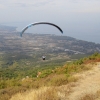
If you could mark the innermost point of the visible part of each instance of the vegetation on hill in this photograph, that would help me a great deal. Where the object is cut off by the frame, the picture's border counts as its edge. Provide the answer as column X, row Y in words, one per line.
column 17, row 77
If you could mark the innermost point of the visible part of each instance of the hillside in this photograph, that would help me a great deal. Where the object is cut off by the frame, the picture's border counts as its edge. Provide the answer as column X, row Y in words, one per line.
column 57, row 83
column 86, row 88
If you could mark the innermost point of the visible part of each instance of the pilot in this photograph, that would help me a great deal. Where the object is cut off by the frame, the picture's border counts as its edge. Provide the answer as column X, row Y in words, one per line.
column 43, row 57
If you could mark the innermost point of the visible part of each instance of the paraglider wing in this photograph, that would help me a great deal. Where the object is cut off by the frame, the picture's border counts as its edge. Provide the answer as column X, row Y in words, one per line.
column 23, row 31
column 40, row 23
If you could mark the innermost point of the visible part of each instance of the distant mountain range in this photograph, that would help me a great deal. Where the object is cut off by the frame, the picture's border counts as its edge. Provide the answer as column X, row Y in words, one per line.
column 7, row 28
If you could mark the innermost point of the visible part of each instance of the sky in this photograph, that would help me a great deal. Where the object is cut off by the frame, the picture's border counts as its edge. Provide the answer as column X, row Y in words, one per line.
column 77, row 18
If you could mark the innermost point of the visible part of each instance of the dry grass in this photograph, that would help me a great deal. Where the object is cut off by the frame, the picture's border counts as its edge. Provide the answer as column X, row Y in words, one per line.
column 53, row 93
column 45, row 93
column 88, row 97
column 57, row 87
column 95, row 96
column 6, row 97
column 55, row 90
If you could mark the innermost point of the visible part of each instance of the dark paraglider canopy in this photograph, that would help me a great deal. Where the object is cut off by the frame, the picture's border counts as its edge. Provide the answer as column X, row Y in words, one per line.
column 37, row 23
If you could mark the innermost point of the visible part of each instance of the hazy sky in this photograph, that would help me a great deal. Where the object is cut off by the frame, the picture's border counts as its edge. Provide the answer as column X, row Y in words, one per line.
column 77, row 18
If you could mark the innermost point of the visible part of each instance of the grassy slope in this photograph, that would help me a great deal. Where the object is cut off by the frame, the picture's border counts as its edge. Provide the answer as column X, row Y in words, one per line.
column 52, row 81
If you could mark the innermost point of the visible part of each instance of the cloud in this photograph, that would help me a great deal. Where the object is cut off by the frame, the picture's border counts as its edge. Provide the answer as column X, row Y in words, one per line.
column 25, row 3
column 69, row 5
column 80, row 5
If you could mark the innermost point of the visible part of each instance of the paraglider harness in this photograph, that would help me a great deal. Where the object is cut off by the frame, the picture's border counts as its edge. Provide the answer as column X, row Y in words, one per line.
column 43, row 57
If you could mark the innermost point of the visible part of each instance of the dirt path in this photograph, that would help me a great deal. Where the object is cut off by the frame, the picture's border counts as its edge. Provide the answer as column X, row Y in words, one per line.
column 89, row 83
